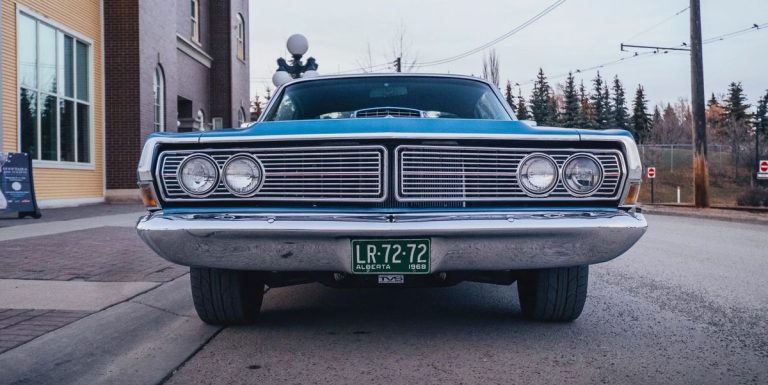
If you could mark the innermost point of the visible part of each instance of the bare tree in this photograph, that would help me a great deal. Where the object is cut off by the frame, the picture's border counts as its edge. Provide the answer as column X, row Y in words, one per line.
column 402, row 50
column 367, row 65
column 491, row 67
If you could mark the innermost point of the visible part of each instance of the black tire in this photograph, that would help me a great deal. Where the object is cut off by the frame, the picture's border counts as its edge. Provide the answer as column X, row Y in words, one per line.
column 226, row 297
column 555, row 295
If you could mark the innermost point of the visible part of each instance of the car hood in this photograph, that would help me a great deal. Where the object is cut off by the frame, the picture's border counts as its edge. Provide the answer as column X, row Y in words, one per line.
column 393, row 125
column 396, row 126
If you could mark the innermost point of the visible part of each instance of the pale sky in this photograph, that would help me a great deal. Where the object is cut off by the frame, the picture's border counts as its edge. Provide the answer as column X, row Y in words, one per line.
column 578, row 34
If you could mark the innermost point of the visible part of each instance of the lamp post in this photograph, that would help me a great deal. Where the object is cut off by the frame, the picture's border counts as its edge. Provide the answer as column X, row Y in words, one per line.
column 297, row 46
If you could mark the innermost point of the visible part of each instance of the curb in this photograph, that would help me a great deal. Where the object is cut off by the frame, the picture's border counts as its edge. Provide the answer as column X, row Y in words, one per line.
column 720, row 214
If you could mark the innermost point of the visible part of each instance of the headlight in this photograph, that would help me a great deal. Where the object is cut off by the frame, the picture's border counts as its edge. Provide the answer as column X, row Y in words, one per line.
column 537, row 174
column 198, row 175
column 242, row 175
column 582, row 174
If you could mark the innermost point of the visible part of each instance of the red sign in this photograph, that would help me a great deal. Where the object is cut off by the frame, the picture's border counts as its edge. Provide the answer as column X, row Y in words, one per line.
column 651, row 172
column 764, row 166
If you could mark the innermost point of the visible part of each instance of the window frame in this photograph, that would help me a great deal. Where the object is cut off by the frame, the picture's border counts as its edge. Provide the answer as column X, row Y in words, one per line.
column 23, row 11
column 240, row 38
column 158, row 101
column 195, row 20
column 241, row 114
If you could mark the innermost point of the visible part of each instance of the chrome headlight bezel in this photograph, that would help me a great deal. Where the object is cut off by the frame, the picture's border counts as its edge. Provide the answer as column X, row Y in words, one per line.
column 216, row 178
column 573, row 191
column 555, row 174
column 253, row 190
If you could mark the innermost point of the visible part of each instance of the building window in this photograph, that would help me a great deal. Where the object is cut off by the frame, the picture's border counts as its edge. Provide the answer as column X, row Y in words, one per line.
column 196, row 20
column 240, row 117
column 158, row 87
column 200, row 120
column 240, row 29
column 54, row 93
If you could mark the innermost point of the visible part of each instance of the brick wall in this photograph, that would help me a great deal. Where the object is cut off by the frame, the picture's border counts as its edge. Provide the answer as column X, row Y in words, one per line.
column 123, row 139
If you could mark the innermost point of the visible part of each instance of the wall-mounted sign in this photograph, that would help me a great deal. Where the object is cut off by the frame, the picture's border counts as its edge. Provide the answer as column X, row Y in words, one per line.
column 17, row 192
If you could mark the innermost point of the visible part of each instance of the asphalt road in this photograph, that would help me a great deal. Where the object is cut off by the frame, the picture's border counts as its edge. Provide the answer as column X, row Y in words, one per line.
column 687, row 305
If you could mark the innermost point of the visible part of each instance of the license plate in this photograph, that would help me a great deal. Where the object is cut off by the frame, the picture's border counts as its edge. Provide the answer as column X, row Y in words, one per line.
column 384, row 256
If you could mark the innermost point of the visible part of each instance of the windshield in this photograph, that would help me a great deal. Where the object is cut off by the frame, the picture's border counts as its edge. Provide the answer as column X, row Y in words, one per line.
column 431, row 97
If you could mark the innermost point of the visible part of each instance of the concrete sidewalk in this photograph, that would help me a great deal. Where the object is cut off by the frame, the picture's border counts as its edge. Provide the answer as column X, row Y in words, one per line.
column 55, row 272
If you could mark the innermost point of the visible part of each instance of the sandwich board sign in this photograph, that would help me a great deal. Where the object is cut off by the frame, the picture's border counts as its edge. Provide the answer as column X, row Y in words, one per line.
column 17, row 192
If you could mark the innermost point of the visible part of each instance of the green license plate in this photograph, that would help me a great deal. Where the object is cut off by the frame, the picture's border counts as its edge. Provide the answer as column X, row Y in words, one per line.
column 384, row 256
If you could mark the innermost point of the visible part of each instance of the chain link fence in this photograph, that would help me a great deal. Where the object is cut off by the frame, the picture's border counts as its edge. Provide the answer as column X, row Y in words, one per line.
column 731, row 173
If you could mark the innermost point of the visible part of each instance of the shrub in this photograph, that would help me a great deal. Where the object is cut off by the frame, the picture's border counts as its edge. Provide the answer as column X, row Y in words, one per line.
column 754, row 196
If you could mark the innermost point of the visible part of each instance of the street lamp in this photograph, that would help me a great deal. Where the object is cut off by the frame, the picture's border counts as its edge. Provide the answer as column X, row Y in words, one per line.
column 297, row 46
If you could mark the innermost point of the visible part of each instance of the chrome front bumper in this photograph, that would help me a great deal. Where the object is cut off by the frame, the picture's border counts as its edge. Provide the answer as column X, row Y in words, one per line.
column 322, row 242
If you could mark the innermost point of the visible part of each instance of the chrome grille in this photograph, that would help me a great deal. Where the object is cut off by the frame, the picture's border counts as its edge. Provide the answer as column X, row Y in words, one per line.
column 343, row 174
column 443, row 173
column 384, row 112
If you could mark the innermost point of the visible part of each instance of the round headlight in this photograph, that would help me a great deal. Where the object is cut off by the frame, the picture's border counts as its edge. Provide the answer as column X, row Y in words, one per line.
column 242, row 175
column 582, row 174
column 198, row 175
column 537, row 174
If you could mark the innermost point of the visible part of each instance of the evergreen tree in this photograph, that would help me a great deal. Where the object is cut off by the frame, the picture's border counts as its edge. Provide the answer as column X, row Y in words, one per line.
column 571, row 109
column 656, row 122
column 620, row 114
column 735, row 104
column 522, row 108
column 761, row 116
column 600, row 104
column 586, row 115
column 640, row 122
column 540, row 100
column 553, row 110
column 508, row 96
column 608, row 111
column 734, row 125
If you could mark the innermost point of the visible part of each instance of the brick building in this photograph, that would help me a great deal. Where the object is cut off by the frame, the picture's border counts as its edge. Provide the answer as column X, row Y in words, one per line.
column 172, row 65
column 52, row 95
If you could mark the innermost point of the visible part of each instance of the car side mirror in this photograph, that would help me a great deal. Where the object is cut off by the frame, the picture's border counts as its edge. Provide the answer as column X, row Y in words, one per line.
column 531, row 123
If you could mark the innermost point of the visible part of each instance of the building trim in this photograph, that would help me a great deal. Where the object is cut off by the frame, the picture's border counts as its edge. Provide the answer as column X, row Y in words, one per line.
column 2, row 134
column 69, row 202
column 103, row 44
column 194, row 51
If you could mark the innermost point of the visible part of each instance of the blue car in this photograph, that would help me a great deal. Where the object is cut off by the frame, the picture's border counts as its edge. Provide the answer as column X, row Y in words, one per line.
column 394, row 180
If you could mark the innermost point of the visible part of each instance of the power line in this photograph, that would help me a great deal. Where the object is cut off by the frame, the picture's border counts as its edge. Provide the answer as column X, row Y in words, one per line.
column 714, row 39
column 651, row 28
column 726, row 36
column 495, row 41
column 472, row 51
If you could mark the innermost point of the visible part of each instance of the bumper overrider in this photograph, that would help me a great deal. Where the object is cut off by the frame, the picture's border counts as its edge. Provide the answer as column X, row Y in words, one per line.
column 459, row 242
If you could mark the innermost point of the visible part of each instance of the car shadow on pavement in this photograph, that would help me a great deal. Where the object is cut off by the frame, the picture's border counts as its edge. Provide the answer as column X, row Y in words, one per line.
column 360, row 311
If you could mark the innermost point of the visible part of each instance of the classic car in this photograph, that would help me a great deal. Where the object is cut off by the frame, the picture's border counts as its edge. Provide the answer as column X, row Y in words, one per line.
column 390, row 180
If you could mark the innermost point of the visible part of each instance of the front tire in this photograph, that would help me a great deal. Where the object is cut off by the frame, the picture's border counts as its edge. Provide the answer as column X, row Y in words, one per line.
column 555, row 295
column 226, row 297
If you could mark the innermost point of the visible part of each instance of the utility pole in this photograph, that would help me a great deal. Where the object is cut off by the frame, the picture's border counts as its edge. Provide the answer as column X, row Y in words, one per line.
column 700, row 166
column 399, row 64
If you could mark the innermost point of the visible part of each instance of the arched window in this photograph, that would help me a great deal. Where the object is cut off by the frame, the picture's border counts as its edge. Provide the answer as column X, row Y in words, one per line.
column 200, row 120
column 240, row 117
column 195, row 18
column 158, row 88
column 240, row 30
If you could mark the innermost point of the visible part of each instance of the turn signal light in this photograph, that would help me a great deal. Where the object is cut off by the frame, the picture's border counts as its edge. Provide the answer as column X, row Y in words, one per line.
column 633, row 195
column 148, row 195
